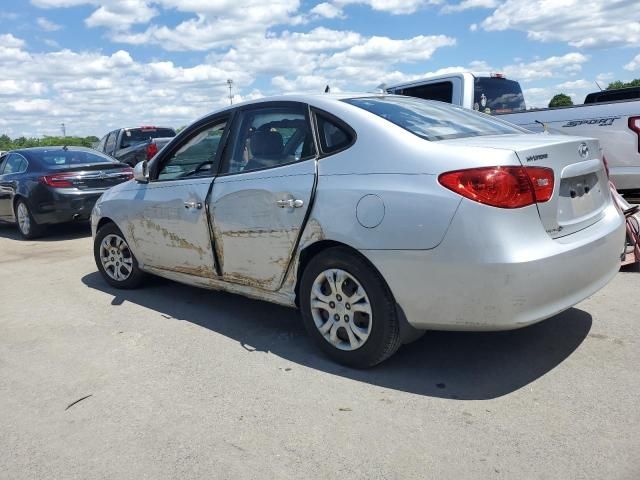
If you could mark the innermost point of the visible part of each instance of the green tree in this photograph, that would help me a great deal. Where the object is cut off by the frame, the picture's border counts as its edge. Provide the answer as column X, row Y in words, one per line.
column 560, row 100
column 6, row 143
column 621, row 84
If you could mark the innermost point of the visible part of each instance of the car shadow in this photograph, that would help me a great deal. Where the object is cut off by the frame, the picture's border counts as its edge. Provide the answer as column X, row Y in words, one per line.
column 453, row 365
column 53, row 233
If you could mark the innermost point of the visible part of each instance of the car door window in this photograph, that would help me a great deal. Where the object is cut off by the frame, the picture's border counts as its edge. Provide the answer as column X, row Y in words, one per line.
column 110, row 143
column 269, row 137
column 197, row 157
column 15, row 164
column 2, row 162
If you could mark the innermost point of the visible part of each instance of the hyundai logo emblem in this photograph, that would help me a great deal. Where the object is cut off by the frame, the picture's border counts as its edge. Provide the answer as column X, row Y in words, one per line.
column 583, row 150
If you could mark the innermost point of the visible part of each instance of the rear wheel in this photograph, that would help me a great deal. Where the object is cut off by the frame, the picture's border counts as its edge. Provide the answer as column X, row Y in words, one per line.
column 348, row 309
column 27, row 225
column 115, row 260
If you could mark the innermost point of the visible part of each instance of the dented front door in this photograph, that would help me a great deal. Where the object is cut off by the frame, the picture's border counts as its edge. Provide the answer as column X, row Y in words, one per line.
column 171, row 232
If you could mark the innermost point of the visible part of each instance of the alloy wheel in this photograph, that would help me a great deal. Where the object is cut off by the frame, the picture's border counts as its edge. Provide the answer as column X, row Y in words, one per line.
column 341, row 309
column 116, row 257
column 24, row 220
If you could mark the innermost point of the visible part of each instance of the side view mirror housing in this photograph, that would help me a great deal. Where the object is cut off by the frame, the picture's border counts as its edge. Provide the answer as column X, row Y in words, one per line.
column 141, row 172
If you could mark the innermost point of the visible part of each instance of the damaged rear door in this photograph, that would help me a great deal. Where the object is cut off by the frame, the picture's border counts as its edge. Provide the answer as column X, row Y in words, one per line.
column 260, row 200
column 171, row 230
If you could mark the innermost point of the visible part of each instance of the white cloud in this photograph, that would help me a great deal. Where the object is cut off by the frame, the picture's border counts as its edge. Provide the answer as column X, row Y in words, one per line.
column 580, row 23
column 9, row 41
column 633, row 64
column 47, row 25
column 327, row 10
column 546, row 68
column 468, row 4
column 576, row 84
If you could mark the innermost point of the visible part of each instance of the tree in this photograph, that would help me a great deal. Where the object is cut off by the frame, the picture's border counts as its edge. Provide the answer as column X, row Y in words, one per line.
column 621, row 84
column 560, row 100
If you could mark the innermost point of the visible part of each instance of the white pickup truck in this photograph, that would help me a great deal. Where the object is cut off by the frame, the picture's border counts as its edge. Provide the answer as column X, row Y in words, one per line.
column 615, row 124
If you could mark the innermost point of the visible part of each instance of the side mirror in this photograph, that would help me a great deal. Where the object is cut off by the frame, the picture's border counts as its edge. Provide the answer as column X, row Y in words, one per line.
column 141, row 172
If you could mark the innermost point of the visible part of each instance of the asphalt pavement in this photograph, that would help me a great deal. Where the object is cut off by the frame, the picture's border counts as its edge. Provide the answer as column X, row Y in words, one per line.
column 171, row 381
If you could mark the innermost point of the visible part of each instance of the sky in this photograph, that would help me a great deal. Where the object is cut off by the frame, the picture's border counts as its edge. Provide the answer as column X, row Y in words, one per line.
column 96, row 65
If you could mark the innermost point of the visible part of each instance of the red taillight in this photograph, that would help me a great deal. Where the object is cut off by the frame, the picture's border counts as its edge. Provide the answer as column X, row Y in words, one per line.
column 58, row 180
column 634, row 124
column 152, row 149
column 504, row 187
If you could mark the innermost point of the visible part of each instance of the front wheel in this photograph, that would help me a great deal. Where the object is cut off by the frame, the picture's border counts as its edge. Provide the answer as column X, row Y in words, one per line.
column 115, row 260
column 348, row 309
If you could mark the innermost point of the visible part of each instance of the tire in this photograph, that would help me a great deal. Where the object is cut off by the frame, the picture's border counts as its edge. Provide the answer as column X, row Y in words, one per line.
column 118, row 265
column 328, row 315
column 27, row 225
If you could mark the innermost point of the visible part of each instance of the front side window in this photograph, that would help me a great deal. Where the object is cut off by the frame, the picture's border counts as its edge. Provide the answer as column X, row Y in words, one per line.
column 197, row 157
column 434, row 121
column 269, row 137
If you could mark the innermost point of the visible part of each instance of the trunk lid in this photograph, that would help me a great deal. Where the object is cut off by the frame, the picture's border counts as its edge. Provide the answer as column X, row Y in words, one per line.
column 96, row 176
column 581, row 186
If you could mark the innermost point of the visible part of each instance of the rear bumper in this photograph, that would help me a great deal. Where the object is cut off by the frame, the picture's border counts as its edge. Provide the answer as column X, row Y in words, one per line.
column 501, row 275
column 63, row 205
column 625, row 178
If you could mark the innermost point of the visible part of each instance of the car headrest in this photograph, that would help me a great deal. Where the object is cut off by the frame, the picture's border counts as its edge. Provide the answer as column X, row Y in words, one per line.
column 266, row 142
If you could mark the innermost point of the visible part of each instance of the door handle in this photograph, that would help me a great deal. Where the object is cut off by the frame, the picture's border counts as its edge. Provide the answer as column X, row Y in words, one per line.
column 290, row 203
column 196, row 205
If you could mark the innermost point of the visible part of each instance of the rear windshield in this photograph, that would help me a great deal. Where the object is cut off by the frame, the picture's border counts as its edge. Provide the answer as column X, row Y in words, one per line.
column 497, row 95
column 60, row 158
column 133, row 136
column 433, row 120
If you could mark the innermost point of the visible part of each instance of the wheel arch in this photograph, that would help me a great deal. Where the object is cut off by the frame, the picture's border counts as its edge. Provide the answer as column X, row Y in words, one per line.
column 407, row 332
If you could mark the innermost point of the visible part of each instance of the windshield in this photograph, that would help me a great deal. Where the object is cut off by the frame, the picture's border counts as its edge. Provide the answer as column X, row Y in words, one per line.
column 60, row 158
column 433, row 120
column 497, row 95
column 134, row 136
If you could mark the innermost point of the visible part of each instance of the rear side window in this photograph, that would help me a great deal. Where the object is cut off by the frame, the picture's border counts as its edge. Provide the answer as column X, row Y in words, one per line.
column 15, row 164
column 441, row 91
column 432, row 120
column 61, row 158
column 333, row 137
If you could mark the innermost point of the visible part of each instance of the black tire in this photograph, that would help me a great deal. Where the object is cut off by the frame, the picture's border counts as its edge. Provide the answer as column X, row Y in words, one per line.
column 135, row 278
column 34, row 229
column 384, row 337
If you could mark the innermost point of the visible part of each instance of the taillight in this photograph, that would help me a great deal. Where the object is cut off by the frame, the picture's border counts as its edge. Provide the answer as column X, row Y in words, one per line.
column 503, row 187
column 634, row 124
column 152, row 149
column 58, row 180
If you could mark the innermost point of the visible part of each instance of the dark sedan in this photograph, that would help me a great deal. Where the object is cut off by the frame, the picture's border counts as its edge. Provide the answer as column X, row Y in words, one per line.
column 47, row 185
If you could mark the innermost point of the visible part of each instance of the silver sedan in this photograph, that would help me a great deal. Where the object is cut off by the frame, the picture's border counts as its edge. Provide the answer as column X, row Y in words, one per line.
column 378, row 216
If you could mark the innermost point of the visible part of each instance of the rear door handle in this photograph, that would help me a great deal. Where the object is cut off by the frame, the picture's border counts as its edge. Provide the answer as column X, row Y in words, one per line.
column 290, row 203
column 196, row 205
